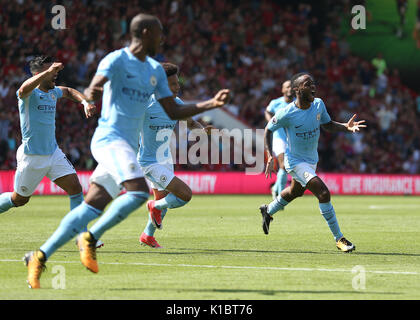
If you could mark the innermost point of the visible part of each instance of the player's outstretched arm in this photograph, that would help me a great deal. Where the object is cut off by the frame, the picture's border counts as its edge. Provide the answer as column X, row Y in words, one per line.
column 76, row 96
column 29, row 85
column 351, row 125
column 178, row 112
column 96, row 88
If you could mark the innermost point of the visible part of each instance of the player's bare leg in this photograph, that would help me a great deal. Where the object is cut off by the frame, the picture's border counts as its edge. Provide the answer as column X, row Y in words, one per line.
column 9, row 200
column 97, row 197
column 180, row 189
column 70, row 184
column 292, row 192
column 159, row 194
column 19, row 200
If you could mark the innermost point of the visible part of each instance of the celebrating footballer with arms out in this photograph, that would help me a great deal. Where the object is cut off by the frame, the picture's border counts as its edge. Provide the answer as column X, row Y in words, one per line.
column 39, row 155
column 125, row 79
column 302, row 120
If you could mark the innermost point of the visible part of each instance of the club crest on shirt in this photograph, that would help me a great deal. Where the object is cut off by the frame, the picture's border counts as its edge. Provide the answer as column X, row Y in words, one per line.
column 153, row 81
column 52, row 96
column 132, row 167
column 318, row 116
column 274, row 120
column 163, row 178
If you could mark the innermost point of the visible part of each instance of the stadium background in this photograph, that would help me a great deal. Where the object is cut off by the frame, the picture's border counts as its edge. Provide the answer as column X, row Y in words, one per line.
column 250, row 47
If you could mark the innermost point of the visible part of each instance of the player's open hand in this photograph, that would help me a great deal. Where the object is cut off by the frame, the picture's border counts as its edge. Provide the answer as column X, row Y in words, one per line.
column 354, row 126
column 269, row 169
column 90, row 110
column 221, row 98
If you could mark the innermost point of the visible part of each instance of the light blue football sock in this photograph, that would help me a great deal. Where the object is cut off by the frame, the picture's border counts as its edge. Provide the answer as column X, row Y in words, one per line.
column 276, row 186
column 118, row 211
column 6, row 201
column 150, row 228
column 327, row 211
column 71, row 225
column 281, row 180
column 170, row 201
column 276, row 205
column 75, row 200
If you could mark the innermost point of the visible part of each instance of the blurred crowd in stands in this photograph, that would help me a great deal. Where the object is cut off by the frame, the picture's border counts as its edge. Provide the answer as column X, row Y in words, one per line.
column 250, row 47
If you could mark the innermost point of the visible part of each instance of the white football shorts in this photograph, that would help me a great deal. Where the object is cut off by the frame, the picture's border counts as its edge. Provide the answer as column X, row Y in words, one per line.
column 279, row 146
column 303, row 172
column 117, row 162
column 159, row 175
column 31, row 169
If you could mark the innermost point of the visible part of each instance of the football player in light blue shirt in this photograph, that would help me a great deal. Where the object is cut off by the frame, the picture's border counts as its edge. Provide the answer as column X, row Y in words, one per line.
column 155, row 158
column 302, row 120
column 39, row 155
column 125, row 80
column 279, row 136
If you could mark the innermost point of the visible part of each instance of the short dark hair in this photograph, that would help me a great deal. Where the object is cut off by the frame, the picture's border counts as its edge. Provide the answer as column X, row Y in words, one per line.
column 294, row 78
column 170, row 68
column 36, row 64
column 140, row 22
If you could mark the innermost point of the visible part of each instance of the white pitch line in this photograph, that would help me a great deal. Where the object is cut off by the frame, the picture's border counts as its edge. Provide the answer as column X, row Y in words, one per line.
column 229, row 267
column 396, row 206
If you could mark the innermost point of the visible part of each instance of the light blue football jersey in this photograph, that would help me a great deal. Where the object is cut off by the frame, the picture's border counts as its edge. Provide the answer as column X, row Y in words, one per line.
column 37, row 121
column 154, row 146
column 302, row 129
column 127, row 95
column 273, row 107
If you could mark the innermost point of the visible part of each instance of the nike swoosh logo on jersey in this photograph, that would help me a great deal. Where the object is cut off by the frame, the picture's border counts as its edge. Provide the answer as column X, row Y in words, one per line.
column 154, row 117
column 129, row 76
column 298, row 126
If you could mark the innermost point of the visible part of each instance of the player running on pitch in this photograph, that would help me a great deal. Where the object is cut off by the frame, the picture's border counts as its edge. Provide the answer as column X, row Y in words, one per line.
column 39, row 155
column 169, row 191
column 302, row 120
column 126, row 78
column 279, row 136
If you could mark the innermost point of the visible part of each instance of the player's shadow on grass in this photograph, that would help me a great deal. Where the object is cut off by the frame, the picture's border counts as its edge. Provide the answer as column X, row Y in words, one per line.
column 262, row 292
column 189, row 251
column 144, row 251
column 335, row 252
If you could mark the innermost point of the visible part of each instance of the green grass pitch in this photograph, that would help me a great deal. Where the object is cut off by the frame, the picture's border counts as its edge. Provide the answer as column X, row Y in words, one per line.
column 214, row 248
